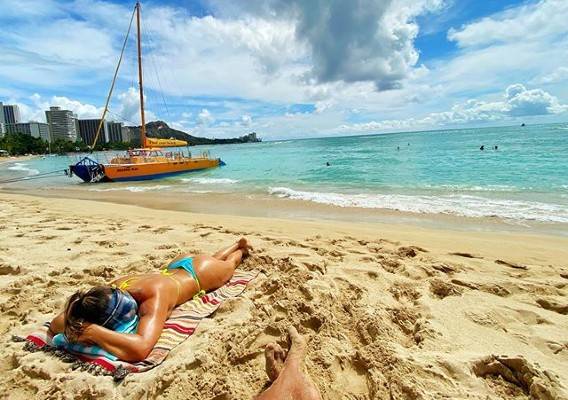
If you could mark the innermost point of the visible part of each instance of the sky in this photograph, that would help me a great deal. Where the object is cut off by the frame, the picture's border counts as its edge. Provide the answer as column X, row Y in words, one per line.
column 292, row 68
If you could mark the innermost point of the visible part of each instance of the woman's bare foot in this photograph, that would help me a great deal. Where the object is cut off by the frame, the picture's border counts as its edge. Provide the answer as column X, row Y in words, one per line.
column 275, row 357
column 244, row 246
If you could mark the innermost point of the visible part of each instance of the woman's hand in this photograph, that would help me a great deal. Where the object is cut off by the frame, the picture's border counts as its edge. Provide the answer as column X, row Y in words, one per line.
column 88, row 334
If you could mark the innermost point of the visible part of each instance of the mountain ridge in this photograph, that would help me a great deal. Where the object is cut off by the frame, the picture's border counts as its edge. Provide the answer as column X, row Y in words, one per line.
column 161, row 130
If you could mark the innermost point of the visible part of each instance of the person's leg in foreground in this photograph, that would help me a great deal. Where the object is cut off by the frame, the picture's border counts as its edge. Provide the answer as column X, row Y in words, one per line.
column 286, row 371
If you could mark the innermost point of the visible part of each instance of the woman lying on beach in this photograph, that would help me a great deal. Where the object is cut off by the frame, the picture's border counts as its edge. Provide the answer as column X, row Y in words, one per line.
column 96, row 317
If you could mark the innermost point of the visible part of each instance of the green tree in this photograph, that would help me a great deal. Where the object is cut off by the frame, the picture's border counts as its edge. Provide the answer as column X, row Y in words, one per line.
column 21, row 143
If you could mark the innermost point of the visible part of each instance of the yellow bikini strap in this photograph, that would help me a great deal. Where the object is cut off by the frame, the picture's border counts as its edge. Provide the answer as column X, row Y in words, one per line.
column 124, row 285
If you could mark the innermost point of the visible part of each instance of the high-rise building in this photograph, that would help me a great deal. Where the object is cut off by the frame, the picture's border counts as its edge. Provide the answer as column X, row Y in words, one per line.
column 35, row 129
column 114, row 132
column 88, row 130
column 126, row 134
column 110, row 131
column 9, row 114
column 62, row 124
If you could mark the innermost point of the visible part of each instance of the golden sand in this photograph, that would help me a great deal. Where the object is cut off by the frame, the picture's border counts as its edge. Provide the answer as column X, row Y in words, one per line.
column 390, row 311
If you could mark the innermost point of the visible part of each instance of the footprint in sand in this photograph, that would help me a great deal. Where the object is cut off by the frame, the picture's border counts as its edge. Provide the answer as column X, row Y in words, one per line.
column 511, row 264
column 162, row 229
column 166, row 247
column 557, row 347
column 47, row 237
column 553, row 305
column 109, row 244
column 410, row 251
column 7, row 269
column 517, row 372
column 442, row 289
column 445, row 268
column 404, row 291
column 465, row 255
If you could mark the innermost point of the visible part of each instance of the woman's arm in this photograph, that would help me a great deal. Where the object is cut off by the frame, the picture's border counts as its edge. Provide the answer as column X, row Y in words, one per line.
column 127, row 346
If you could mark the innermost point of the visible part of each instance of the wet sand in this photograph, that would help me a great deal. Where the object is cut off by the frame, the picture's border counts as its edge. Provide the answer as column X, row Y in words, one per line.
column 391, row 310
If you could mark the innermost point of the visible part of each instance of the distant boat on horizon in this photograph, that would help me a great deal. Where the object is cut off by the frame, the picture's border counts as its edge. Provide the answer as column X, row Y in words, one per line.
column 149, row 161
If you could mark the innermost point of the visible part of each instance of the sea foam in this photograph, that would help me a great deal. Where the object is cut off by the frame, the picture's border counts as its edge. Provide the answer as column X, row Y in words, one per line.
column 23, row 167
column 211, row 181
column 463, row 205
column 134, row 189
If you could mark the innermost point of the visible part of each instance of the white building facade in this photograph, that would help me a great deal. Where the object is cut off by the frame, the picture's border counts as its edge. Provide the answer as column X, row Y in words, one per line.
column 62, row 124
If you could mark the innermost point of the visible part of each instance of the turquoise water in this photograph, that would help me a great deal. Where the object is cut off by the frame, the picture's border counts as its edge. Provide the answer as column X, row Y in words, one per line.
column 422, row 172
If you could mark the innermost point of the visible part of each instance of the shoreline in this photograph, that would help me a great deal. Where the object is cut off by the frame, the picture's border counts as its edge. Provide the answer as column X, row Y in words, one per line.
column 9, row 159
column 264, row 206
column 403, row 231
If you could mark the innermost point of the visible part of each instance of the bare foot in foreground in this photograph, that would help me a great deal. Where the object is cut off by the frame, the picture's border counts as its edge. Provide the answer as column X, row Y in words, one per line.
column 275, row 357
column 286, row 371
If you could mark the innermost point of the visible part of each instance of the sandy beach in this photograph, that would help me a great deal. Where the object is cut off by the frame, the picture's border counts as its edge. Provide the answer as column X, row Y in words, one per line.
column 11, row 159
column 391, row 311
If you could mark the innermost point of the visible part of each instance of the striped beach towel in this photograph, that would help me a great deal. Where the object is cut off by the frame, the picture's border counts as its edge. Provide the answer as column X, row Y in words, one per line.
column 182, row 323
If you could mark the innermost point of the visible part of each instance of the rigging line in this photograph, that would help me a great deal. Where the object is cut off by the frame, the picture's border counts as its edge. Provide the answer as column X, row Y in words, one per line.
column 114, row 79
column 152, row 58
column 27, row 178
column 121, row 117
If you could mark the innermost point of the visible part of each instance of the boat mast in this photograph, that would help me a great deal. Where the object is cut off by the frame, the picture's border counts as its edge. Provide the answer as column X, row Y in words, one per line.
column 142, row 119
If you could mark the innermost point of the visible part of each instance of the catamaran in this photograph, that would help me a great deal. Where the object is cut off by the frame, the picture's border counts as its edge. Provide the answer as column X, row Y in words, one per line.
column 149, row 161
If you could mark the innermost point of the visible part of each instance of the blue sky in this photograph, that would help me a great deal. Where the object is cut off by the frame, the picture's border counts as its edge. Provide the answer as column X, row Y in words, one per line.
column 294, row 68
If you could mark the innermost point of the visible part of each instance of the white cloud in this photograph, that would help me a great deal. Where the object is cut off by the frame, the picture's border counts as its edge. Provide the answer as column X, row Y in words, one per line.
column 204, row 118
column 34, row 109
column 357, row 41
column 246, row 120
column 521, row 44
column 518, row 101
column 129, row 108
column 529, row 22
column 560, row 74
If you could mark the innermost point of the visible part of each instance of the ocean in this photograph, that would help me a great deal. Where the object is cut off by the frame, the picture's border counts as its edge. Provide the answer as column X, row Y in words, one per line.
column 524, row 179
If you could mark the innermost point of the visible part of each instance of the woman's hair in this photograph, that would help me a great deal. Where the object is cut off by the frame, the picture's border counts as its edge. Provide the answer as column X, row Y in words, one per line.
column 86, row 306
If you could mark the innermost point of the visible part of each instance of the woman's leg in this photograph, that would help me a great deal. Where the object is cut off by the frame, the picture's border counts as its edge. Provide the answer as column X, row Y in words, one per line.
column 214, row 273
column 224, row 253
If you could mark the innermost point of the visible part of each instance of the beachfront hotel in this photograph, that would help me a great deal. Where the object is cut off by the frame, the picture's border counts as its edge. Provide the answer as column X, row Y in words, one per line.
column 9, row 114
column 110, row 131
column 62, row 124
column 34, row 129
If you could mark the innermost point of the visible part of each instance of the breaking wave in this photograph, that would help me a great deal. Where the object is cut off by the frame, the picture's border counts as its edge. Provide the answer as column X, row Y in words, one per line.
column 463, row 205
column 211, row 181
column 22, row 167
